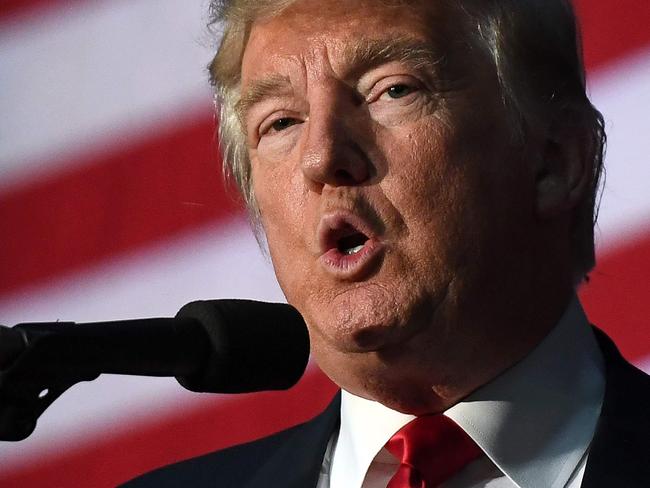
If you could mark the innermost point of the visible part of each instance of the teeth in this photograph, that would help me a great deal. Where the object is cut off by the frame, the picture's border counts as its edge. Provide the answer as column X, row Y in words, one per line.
column 353, row 250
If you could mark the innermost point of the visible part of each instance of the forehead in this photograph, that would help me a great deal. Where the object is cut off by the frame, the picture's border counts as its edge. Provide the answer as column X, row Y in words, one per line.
column 309, row 31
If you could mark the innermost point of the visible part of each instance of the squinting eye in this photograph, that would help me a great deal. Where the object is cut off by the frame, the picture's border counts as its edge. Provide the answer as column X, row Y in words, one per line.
column 399, row 91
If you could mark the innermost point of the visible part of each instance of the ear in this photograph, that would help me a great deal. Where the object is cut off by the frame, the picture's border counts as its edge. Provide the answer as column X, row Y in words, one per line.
column 562, row 173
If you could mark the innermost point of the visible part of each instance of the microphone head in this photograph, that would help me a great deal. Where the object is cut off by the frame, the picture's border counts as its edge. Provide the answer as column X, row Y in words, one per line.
column 254, row 346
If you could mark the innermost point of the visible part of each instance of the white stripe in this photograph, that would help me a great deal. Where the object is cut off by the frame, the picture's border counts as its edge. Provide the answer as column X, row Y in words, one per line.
column 221, row 261
column 218, row 262
column 644, row 364
column 95, row 75
column 621, row 93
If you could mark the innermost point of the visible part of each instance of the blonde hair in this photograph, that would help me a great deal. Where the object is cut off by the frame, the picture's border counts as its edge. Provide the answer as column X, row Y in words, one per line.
column 534, row 46
column 236, row 17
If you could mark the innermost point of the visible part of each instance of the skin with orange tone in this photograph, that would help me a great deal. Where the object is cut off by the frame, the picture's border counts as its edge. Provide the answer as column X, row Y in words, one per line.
column 467, row 265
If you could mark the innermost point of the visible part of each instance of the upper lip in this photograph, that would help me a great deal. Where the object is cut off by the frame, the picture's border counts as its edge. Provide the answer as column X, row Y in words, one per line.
column 336, row 225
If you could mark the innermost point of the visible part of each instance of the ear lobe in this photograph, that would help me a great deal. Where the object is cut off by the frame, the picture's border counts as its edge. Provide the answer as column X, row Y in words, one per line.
column 561, row 176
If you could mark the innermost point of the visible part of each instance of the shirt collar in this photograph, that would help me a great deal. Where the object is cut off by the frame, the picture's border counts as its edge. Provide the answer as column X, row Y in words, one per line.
column 535, row 421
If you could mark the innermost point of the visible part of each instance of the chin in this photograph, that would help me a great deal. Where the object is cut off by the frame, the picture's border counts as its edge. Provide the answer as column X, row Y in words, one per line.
column 370, row 376
column 359, row 336
column 367, row 338
column 415, row 406
column 413, row 399
column 365, row 318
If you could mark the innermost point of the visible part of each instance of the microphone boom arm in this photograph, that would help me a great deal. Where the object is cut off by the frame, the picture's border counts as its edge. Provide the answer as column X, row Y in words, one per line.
column 40, row 361
column 222, row 346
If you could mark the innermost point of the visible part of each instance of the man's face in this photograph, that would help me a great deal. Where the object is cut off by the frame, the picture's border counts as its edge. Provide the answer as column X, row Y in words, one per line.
column 396, row 211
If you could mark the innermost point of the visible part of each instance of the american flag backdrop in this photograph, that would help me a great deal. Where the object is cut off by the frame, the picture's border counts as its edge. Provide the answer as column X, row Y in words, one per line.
column 112, row 207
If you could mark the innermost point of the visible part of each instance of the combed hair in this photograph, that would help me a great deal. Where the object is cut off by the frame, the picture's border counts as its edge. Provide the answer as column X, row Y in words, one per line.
column 535, row 48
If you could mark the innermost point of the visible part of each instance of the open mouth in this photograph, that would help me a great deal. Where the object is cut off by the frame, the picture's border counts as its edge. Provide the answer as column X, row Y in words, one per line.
column 352, row 243
column 348, row 245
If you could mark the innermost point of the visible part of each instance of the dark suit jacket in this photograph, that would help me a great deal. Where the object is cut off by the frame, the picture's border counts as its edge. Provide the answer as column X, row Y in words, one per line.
column 619, row 456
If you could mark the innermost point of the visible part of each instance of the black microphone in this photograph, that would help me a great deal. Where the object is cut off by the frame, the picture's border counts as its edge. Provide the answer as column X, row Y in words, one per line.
column 220, row 346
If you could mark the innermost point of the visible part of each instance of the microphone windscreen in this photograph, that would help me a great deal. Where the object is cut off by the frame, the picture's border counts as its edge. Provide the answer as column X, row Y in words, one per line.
column 254, row 346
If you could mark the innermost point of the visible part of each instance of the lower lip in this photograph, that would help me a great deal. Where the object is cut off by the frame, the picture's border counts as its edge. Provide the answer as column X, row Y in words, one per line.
column 352, row 266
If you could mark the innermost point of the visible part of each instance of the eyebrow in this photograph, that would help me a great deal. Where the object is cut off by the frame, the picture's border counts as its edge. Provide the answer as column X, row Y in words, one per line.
column 360, row 57
column 271, row 86
column 369, row 53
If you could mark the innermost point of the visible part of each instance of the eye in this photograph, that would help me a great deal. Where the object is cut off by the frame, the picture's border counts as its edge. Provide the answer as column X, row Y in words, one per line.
column 273, row 126
column 283, row 123
column 399, row 91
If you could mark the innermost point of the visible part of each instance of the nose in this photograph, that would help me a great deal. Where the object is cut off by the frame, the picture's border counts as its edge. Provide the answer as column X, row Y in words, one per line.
column 333, row 154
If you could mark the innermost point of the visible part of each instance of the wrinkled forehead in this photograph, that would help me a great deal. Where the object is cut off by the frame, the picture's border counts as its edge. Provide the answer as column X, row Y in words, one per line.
column 344, row 33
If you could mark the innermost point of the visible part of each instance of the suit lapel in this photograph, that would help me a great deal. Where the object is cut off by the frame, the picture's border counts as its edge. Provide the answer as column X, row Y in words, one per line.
column 619, row 454
column 297, row 461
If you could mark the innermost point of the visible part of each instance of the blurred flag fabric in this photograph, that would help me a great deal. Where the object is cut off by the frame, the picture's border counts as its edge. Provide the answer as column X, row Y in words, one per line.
column 112, row 207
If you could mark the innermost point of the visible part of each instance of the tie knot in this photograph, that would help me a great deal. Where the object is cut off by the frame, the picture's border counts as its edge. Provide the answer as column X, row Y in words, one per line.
column 430, row 449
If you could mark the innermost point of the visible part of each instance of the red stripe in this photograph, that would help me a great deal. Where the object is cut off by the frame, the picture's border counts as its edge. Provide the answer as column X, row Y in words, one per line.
column 114, row 204
column 114, row 458
column 616, row 299
column 612, row 29
column 12, row 9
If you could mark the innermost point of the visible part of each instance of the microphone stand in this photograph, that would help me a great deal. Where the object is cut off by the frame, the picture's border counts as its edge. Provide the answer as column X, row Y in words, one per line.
column 219, row 346
column 40, row 361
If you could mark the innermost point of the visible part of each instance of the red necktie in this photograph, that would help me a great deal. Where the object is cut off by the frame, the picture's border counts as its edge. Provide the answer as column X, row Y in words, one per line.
column 431, row 449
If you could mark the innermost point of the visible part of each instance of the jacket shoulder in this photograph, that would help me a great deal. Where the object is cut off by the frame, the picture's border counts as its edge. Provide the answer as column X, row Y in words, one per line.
column 227, row 467
column 271, row 461
column 619, row 454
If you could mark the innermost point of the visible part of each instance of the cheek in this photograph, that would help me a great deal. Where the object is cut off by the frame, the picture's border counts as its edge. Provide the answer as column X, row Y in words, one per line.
column 434, row 188
column 281, row 199
column 424, row 176
column 279, row 196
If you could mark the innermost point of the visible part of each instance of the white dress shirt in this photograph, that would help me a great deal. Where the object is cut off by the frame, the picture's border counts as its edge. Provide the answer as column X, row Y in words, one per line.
column 534, row 422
